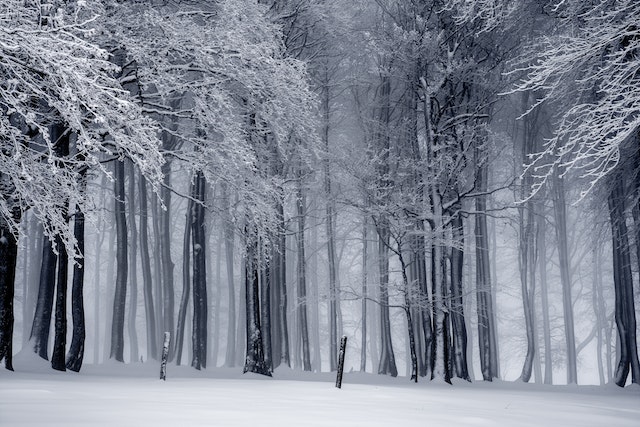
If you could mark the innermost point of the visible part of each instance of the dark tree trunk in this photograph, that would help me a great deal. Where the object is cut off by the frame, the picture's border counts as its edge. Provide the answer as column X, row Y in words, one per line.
column 120, row 296
column 254, row 360
column 76, row 349
column 457, row 311
column 8, row 259
column 199, row 330
column 44, row 306
column 150, row 316
column 623, row 284
column 60, row 326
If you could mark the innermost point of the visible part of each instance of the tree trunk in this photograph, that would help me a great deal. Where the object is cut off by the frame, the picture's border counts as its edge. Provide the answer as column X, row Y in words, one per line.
column 76, row 349
column 265, row 308
column 165, row 257
column 8, row 259
column 186, row 282
column 133, row 267
column 157, row 270
column 302, row 280
column 199, row 332
column 42, row 318
column 363, row 321
column 387, row 364
column 560, row 214
column 254, row 360
column 230, row 356
column 150, row 316
column 457, row 308
column 120, row 296
column 486, row 318
column 623, row 283
column 60, row 326
column 542, row 269
column 331, row 246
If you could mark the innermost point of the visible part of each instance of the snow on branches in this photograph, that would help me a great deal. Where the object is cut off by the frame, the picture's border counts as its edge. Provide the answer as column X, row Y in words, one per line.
column 55, row 75
column 593, row 69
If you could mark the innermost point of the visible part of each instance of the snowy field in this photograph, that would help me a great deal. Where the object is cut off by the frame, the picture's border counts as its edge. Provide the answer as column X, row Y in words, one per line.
column 131, row 395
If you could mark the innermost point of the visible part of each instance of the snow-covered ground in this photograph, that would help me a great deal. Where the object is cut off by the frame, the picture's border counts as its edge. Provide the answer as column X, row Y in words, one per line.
column 118, row 395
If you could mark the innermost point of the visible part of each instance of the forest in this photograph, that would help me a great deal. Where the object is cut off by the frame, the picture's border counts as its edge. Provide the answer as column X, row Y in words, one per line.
column 454, row 185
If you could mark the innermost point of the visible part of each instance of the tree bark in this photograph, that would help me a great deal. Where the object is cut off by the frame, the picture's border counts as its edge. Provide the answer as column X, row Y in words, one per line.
column 186, row 282
column 457, row 308
column 254, row 360
column 229, row 235
column 559, row 205
column 199, row 332
column 44, row 306
column 147, row 283
column 133, row 267
column 75, row 355
column 302, row 279
column 120, row 296
column 623, row 283
column 60, row 325
column 8, row 259
column 542, row 270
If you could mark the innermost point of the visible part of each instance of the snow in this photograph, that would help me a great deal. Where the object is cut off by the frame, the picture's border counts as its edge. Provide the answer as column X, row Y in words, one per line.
column 114, row 394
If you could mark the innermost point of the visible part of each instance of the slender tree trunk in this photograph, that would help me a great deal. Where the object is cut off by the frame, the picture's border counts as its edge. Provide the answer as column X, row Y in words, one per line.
column 365, row 250
column 133, row 267
column 96, row 295
column 199, row 332
column 32, row 259
column 165, row 257
column 331, row 246
column 254, row 360
column 215, row 296
column 76, row 349
column 302, row 280
column 119, row 301
column 158, row 271
column 559, row 205
column 282, row 268
column 186, row 282
column 457, row 308
column 542, row 269
column 486, row 318
column 229, row 235
column 42, row 318
column 150, row 316
column 265, row 308
column 407, row 309
column 60, row 335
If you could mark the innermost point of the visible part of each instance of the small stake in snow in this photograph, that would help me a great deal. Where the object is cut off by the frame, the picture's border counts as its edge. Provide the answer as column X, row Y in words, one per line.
column 165, row 355
column 343, row 347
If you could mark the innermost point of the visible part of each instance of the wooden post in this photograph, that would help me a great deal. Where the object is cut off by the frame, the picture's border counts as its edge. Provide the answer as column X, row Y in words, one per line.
column 343, row 347
column 165, row 355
